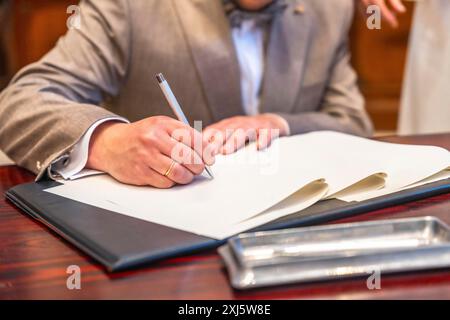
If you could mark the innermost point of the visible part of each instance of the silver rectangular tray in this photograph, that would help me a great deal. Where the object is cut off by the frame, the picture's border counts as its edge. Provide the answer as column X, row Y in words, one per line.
column 336, row 251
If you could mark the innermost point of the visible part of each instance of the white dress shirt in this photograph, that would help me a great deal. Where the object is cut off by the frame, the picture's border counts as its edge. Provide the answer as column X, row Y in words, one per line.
column 249, row 44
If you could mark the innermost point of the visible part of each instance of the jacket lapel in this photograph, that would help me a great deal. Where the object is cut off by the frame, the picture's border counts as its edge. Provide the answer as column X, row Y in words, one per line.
column 286, row 56
column 208, row 34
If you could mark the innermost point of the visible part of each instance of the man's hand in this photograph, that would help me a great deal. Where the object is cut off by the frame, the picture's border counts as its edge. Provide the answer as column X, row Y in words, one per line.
column 141, row 153
column 230, row 135
column 388, row 11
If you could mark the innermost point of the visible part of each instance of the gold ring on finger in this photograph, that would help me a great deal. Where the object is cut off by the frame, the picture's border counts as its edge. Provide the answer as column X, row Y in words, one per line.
column 172, row 165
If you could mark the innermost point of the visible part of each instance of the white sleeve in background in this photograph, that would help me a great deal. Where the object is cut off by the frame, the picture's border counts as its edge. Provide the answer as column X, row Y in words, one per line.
column 425, row 97
column 71, row 167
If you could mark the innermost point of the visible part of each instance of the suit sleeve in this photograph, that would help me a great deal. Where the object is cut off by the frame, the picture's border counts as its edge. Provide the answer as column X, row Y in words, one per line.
column 342, row 108
column 49, row 105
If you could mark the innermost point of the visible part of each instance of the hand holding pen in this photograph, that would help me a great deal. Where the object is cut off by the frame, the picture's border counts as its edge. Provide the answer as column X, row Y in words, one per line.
column 176, row 108
column 142, row 153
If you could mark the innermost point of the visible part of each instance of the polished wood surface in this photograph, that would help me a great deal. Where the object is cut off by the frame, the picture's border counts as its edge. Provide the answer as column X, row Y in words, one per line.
column 33, row 261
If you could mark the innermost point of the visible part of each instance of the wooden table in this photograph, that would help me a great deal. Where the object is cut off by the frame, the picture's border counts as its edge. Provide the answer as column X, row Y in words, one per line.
column 33, row 262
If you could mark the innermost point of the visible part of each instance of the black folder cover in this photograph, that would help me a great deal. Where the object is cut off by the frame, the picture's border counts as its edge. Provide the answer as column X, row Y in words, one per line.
column 120, row 242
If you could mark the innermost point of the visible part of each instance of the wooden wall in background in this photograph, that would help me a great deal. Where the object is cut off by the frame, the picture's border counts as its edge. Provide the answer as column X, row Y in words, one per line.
column 37, row 24
column 378, row 55
column 4, row 23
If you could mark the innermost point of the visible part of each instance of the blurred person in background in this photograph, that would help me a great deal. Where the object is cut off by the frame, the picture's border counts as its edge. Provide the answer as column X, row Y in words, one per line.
column 425, row 105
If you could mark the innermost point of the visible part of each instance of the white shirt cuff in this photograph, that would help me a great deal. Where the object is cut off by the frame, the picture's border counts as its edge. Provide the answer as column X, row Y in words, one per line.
column 72, row 166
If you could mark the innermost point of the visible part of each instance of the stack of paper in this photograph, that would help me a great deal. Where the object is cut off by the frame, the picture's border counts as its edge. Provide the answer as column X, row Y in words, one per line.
column 254, row 187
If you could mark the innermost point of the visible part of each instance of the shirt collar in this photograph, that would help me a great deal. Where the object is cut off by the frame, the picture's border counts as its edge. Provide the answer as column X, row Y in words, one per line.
column 237, row 15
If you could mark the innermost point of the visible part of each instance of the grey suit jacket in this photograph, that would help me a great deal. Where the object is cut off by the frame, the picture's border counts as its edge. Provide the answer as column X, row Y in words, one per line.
column 107, row 68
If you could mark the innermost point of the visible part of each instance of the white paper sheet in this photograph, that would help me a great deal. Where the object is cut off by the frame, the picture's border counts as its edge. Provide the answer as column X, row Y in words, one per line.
column 249, row 184
column 442, row 175
column 369, row 184
column 242, row 188
column 300, row 200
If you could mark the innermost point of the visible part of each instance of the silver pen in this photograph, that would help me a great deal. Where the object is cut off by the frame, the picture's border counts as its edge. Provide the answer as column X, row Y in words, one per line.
column 173, row 103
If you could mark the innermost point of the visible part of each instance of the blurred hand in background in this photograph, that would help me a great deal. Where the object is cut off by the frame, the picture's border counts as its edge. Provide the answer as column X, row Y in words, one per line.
column 389, row 9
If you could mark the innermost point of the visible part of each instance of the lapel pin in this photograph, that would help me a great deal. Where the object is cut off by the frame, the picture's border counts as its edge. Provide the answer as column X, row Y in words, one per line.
column 300, row 9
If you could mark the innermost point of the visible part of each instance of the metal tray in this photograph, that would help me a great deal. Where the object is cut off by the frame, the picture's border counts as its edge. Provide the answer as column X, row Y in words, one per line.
column 336, row 251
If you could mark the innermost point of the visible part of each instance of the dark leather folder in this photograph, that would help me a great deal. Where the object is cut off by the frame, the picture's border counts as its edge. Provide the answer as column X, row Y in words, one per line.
column 121, row 242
